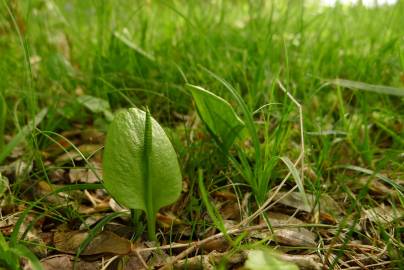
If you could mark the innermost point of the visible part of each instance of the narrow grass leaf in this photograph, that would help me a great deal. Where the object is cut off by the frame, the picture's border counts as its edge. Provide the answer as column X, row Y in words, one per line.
column 385, row 179
column 212, row 211
column 3, row 243
column 3, row 113
column 218, row 115
column 23, row 251
column 380, row 89
column 295, row 173
column 22, row 134
column 121, row 37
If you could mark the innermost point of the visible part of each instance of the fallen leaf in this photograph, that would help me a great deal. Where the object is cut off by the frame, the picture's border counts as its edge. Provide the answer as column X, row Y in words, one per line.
column 4, row 185
column 17, row 168
column 167, row 220
column 382, row 214
column 89, row 174
column 64, row 261
column 219, row 245
column 231, row 211
column 305, row 262
column 104, row 243
column 89, row 221
column 89, row 210
column 226, row 195
column 292, row 236
column 116, row 207
column 133, row 262
column 326, row 204
column 295, row 237
column 85, row 150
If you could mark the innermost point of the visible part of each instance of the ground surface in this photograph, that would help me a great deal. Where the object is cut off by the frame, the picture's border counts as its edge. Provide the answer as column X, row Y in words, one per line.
column 71, row 64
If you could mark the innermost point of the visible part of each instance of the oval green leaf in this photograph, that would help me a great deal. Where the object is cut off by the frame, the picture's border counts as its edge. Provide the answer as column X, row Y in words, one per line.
column 218, row 115
column 138, row 176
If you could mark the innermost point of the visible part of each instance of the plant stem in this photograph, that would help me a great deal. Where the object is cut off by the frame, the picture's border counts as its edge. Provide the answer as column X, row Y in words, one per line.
column 151, row 227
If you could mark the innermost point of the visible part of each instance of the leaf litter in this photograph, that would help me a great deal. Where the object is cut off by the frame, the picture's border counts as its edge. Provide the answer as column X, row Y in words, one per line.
column 292, row 230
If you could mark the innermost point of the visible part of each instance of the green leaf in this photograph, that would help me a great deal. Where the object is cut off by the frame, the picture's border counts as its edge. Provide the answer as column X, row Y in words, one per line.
column 266, row 260
column 141, row 170
column 218, row 115
column 96, row 105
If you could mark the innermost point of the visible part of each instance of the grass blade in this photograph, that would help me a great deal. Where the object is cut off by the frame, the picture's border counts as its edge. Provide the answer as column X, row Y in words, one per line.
column 212, row 211
column 22, row 134
column 3, row 112
column 295, row 173
column 23, row 251
column 380, row 89
column 389, row 181
column 121, row 37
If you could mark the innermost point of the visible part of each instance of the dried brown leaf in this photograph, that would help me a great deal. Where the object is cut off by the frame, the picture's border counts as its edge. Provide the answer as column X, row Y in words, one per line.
column 382, row 214
column 64, row 261
column 293, row 236
column 295, row 200
column 104, row 243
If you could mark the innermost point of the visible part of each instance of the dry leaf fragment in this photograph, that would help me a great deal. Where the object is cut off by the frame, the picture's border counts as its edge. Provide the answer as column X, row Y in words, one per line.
column 64, row 261
column 231, row 211
column 381, row 214
column 226, row 195
column 293, row 236
column 85, row 149
column 86, row 175
column 104, row 243
column 167, row 220
column 295, row 200
column 308, row 262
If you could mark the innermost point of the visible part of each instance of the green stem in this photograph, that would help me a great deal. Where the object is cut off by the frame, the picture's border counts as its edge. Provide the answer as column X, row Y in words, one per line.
column 151, row 227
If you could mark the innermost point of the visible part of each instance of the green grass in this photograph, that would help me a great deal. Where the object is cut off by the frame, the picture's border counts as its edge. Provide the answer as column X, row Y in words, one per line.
column 144, row 53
